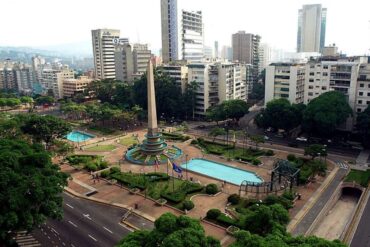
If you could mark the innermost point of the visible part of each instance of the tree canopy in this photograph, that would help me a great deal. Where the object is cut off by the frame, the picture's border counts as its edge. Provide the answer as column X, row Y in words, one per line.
column 229, row 109
column 325, row 113
column 280, row 114
column 363, row 126
column 315, row 150
column 30, row 186
column 171, row 231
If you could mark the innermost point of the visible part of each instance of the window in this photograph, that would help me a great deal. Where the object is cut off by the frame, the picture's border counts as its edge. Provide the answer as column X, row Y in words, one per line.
column 311, row 80
column 310, row 87
column 310, row 94
column 368, row 94
column 361, row 85
column 325, row 73
column 358, row 109
column 359, row 102
column 326, row 66
column 367, row 102
column 312, row 73
column 318, row 73
column 368, row 85
column 323, row 88
column 360, row 93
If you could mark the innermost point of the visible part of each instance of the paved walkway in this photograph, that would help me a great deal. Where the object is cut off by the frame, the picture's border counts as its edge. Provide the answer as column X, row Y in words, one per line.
column 363, row 157
column 300, row 225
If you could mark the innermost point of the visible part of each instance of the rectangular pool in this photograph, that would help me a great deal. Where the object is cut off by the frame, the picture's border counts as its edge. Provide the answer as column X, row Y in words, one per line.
column 77, row 136
column 221, row 171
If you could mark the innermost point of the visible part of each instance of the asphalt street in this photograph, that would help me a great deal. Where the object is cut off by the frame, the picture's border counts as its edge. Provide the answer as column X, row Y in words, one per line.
column 85, row 223
column 362, row 234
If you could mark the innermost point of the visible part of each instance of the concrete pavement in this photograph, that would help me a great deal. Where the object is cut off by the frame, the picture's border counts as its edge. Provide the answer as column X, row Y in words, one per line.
column 361, row 236
column 85, row 223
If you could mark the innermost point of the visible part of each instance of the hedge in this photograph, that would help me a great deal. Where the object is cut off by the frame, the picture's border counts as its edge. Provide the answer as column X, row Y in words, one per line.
column 233, row 199
column 188, row 205
column 157, row 176
column 213, row 213
column 130, row 180
column 225, row 220
column 211, row 189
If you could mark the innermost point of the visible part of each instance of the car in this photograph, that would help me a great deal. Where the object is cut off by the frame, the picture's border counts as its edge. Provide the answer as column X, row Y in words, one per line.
column 266, row 138
column 301, row 139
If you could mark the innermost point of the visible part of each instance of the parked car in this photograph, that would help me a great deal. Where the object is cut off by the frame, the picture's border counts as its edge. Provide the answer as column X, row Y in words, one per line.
column 266, row 138
column 302, row 139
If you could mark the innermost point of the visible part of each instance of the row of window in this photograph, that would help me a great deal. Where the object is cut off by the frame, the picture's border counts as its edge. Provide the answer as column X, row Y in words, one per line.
column 362, row 94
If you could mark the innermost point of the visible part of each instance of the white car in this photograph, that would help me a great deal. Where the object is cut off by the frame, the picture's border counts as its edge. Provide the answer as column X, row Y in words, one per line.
column 301, row 139
column 266, row 138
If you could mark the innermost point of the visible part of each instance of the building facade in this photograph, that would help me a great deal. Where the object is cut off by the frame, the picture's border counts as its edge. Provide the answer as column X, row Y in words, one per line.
column 311, row 28
column 265, row 57
column 169, row 30
column 73, row 86
column 285, row 80
column 179, row 73
column 246, row 50
column 52, row 79
column 103, row 42
column 192, row 36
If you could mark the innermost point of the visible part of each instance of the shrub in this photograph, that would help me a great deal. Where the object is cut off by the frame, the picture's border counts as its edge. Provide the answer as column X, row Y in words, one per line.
column 157, row 176
column 233, row 199
column 105, row 174
column 256, row 162
column 211, row 189
column 188, row 205
column 225, row 220
column 245, row 158
column 291, row 157
column 103, row 164
column 269, row 152
column 213, row 213
column 91, row 166
column 194, row 142
column 115, row 170
column 175, row 197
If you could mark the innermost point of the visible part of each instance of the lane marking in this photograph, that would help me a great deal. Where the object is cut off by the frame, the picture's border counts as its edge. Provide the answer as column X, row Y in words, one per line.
column 54, row 231
column 73, row 224
column 69, row 205
column 92, row 238
column 87, row 216
column 107, row 229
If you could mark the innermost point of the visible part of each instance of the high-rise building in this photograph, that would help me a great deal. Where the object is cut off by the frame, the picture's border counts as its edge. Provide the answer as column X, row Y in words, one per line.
column 245, row 50
column 131, row 61
column 311, row 28
column 37, row 65
column 264, row 54
column 216, row 49
column 178, row 72
column 25, row 77
column 207, row 52
column 73, row 86
column 169, row 30
column 227, row 53
column 52, row 79
column 103, row 41
column 192, row 36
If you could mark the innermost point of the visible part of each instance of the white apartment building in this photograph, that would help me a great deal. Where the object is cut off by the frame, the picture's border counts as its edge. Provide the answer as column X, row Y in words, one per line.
column 103, row 41
column 192, row 36
column 169, row 30
column 25, row 77
column 73, row 86
column 264, row 56
column 217, row 82
column 285, row 80
column 131, row 61
column 53, row 79
column 179, row 73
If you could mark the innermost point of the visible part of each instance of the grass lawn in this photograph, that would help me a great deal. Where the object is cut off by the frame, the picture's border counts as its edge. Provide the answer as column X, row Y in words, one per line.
column 128, row 141
column 101, row 148
column 360, row 177
column 155, row 190
column 103, row 130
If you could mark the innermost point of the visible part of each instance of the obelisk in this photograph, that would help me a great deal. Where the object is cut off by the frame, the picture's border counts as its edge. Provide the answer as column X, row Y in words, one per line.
column 152, row 109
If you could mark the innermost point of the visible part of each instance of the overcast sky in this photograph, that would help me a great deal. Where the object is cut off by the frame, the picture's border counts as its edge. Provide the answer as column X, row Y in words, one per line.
column 49, row 22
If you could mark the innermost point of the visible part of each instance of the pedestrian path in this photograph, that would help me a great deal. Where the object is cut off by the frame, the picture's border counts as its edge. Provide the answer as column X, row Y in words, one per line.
column 25, row 239
column 342, row 165
column 363, row 157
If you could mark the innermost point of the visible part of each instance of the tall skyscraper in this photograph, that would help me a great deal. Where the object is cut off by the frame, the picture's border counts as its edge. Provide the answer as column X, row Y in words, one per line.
column 245, row 49
column 311, row 28
column 216, row 49
column 103, row 41
column 192, row 36
column 169, row 30
column 264, row 54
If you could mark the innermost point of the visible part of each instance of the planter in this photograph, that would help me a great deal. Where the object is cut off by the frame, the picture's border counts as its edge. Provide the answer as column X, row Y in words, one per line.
column 134, row 191
column 232, row 230
column 161, row 202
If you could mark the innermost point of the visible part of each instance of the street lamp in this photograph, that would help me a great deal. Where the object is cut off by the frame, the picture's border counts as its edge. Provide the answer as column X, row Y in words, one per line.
column 325, row 154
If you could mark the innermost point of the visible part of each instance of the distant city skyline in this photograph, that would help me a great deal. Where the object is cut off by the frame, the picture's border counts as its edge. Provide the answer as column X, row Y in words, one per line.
column 348, row 23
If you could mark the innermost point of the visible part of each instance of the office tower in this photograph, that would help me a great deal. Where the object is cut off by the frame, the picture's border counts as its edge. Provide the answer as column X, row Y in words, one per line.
column 192, row 36
column 227, row 53
column 207, row 52
column 169, row 30
column 73, row 86
column 285, row 80
column 245, row 50
column 178, row 72
column 264, row 54
column 311, row 28
column 216, row 49
column 131, row 61
column 7, row 76
column 52, row 79
column 25, row 77
column 103, row 41
column 37, row 65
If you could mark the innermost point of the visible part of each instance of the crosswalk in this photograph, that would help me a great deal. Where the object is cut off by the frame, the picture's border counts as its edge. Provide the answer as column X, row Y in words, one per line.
column 342, row 165
column 25, row 239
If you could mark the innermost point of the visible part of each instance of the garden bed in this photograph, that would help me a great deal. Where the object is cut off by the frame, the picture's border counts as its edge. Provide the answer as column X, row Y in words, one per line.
column 88, row 162
column 360, row 177
column 101, row 148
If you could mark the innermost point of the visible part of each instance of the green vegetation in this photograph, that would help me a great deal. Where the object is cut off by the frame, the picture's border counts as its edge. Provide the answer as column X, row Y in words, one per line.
column 229, row 151
column 234, row 199
column 229, row 109
column 30, row 188
column 101, row 148
column 171, row 231
column 89, row 162
column 211, row 189
column 128, row 141
column 315, row 150
column 363, row 126
column 188, row 205
column 102, row 130
column 325, row 113
column 280, row 114
column 360, row 177
column 309, row 168
column 175, row 136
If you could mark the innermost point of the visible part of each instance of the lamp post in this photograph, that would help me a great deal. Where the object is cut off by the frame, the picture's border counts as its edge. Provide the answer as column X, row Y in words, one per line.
column 325, row 154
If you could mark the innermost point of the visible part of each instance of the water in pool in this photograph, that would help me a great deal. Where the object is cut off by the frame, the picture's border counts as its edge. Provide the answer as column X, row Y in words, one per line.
column 221, row 171
column 77, row 136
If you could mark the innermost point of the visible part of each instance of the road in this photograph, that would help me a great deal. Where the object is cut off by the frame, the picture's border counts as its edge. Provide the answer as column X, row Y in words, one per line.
column 362, row 234
column 85, row 223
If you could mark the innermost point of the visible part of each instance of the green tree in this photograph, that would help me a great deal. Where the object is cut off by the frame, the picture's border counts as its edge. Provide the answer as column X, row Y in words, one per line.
column 45, row 128
column 280, row 114
column 189, row 99
column 217, row 131
column 257, row 139
column 215, row 113
column 315, row 150
column 235, row 109
column 30, row 187
column 325, row 113
column 171, row 231
column 42, row 100
column 258, row 91
column 363, row 126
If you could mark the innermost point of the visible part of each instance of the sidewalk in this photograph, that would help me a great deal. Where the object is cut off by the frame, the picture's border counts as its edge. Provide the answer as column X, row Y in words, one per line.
column 115, row 195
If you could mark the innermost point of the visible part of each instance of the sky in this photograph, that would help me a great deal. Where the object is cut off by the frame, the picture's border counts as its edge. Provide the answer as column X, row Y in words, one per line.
column 41, row 23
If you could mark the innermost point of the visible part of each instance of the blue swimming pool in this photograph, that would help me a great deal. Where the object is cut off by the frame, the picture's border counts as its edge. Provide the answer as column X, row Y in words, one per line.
column 77, row 136
column 221, row 171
